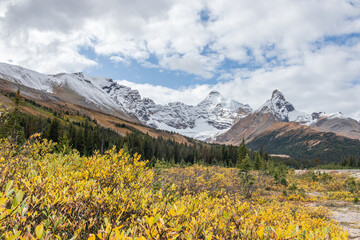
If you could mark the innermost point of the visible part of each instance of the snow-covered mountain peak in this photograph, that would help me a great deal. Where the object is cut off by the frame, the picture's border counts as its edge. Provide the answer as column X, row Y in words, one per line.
column 214, row 93
column 331, row 115
column 214, row 115
column 215, row 100
column 279, row 103
column 283, row 110
column 276, row 94
column 28, row 77
column 212, row 98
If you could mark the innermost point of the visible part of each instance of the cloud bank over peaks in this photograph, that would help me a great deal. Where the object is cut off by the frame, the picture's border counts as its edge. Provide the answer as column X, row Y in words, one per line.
column 310, row 50
column 191, row 36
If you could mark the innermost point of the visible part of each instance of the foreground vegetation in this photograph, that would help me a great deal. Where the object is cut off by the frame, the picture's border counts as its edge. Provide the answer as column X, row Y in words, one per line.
column 47, row 194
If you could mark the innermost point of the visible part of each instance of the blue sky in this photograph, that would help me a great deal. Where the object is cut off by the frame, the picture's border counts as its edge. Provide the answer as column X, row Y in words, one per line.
column 142, row 74
column 137, row 73
column 181, row 50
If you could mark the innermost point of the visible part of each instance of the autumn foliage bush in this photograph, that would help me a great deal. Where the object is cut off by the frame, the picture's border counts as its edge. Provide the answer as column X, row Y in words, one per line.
column 48, row 195
column 335, row 186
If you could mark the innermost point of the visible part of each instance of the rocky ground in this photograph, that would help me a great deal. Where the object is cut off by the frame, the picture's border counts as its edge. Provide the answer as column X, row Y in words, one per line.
column 352, row 172
column 347, row 214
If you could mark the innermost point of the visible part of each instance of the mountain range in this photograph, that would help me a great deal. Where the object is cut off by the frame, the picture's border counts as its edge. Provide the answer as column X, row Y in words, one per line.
column 214, row 115
column 216, row 119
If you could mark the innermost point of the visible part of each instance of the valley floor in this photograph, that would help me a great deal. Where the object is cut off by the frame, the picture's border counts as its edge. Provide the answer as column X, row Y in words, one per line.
column 348, row 215
column 353, row 172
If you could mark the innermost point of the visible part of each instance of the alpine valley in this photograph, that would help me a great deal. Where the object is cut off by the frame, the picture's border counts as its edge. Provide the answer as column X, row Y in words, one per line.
column 276, row 126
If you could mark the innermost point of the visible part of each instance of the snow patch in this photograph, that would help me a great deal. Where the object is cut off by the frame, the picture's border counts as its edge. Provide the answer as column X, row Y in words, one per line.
column 28, row 78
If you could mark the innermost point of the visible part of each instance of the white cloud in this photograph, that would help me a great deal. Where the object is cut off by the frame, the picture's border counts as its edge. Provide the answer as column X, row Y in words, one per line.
column 197, row 64
column 173, row 31
column 163, row 95
column 47, row 35
column 119, row 59
column 309, row 86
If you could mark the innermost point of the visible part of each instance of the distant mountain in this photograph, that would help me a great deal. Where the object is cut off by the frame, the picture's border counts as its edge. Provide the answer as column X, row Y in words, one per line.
column 282, row 110
column 276, row 125
column 76, row 87
column 337, row 123
column 303, row 142
column 279, row 128
column 214, row 115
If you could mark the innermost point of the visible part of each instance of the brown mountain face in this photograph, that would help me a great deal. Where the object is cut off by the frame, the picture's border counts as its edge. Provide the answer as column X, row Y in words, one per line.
column 341, row 126
column 260, row 123
column 63, row 100
column 280, row 129
column 61, row 96
column 305, row 143
column 249, row 127
column 292, row 139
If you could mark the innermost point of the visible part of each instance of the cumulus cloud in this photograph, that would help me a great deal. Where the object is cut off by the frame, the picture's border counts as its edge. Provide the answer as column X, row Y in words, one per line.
column 308, row 86
column 294, row 46
column 119, row 59
column 163, row 95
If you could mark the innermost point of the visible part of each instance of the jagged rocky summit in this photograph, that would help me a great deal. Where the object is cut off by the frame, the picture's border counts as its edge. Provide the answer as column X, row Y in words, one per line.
column 212, row 116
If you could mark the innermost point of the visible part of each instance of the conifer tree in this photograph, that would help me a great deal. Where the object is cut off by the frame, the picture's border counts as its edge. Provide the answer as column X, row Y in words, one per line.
column 258, row 163
column 266, row 156
column 352, row 161
column 80, row 142
column 12, row 127
column 261, row 151
column 245, row 164
column 72, row 133
column 54, row 130
column 242, row 151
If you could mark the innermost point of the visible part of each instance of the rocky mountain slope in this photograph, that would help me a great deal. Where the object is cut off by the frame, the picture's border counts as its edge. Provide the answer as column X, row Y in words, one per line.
column 279, row 128
column 303, row 142
column 282, row 110
column 212, row 116
column 276, row 125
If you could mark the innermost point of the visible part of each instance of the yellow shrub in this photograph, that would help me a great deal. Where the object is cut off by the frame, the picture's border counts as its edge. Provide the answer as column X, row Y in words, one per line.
column 46, row 195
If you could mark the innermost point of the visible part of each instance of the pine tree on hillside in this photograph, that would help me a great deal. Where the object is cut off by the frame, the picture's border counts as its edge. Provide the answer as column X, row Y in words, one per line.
column 54, row 130
column 261, row 151
column 80, row 142
column 245, row 164
column 242, row 152
column 258, row 162
column 12, row 127
column 72, row 135
column 352, row 161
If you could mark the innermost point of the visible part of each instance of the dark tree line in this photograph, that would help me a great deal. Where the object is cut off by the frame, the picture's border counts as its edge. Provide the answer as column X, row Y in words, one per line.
column 351, row 162
column 86, row 136
column 330, row 148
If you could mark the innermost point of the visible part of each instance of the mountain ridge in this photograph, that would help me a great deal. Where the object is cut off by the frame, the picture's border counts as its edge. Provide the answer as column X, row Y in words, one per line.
column 214, row 115
column 215, row 119
column 270, row 125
